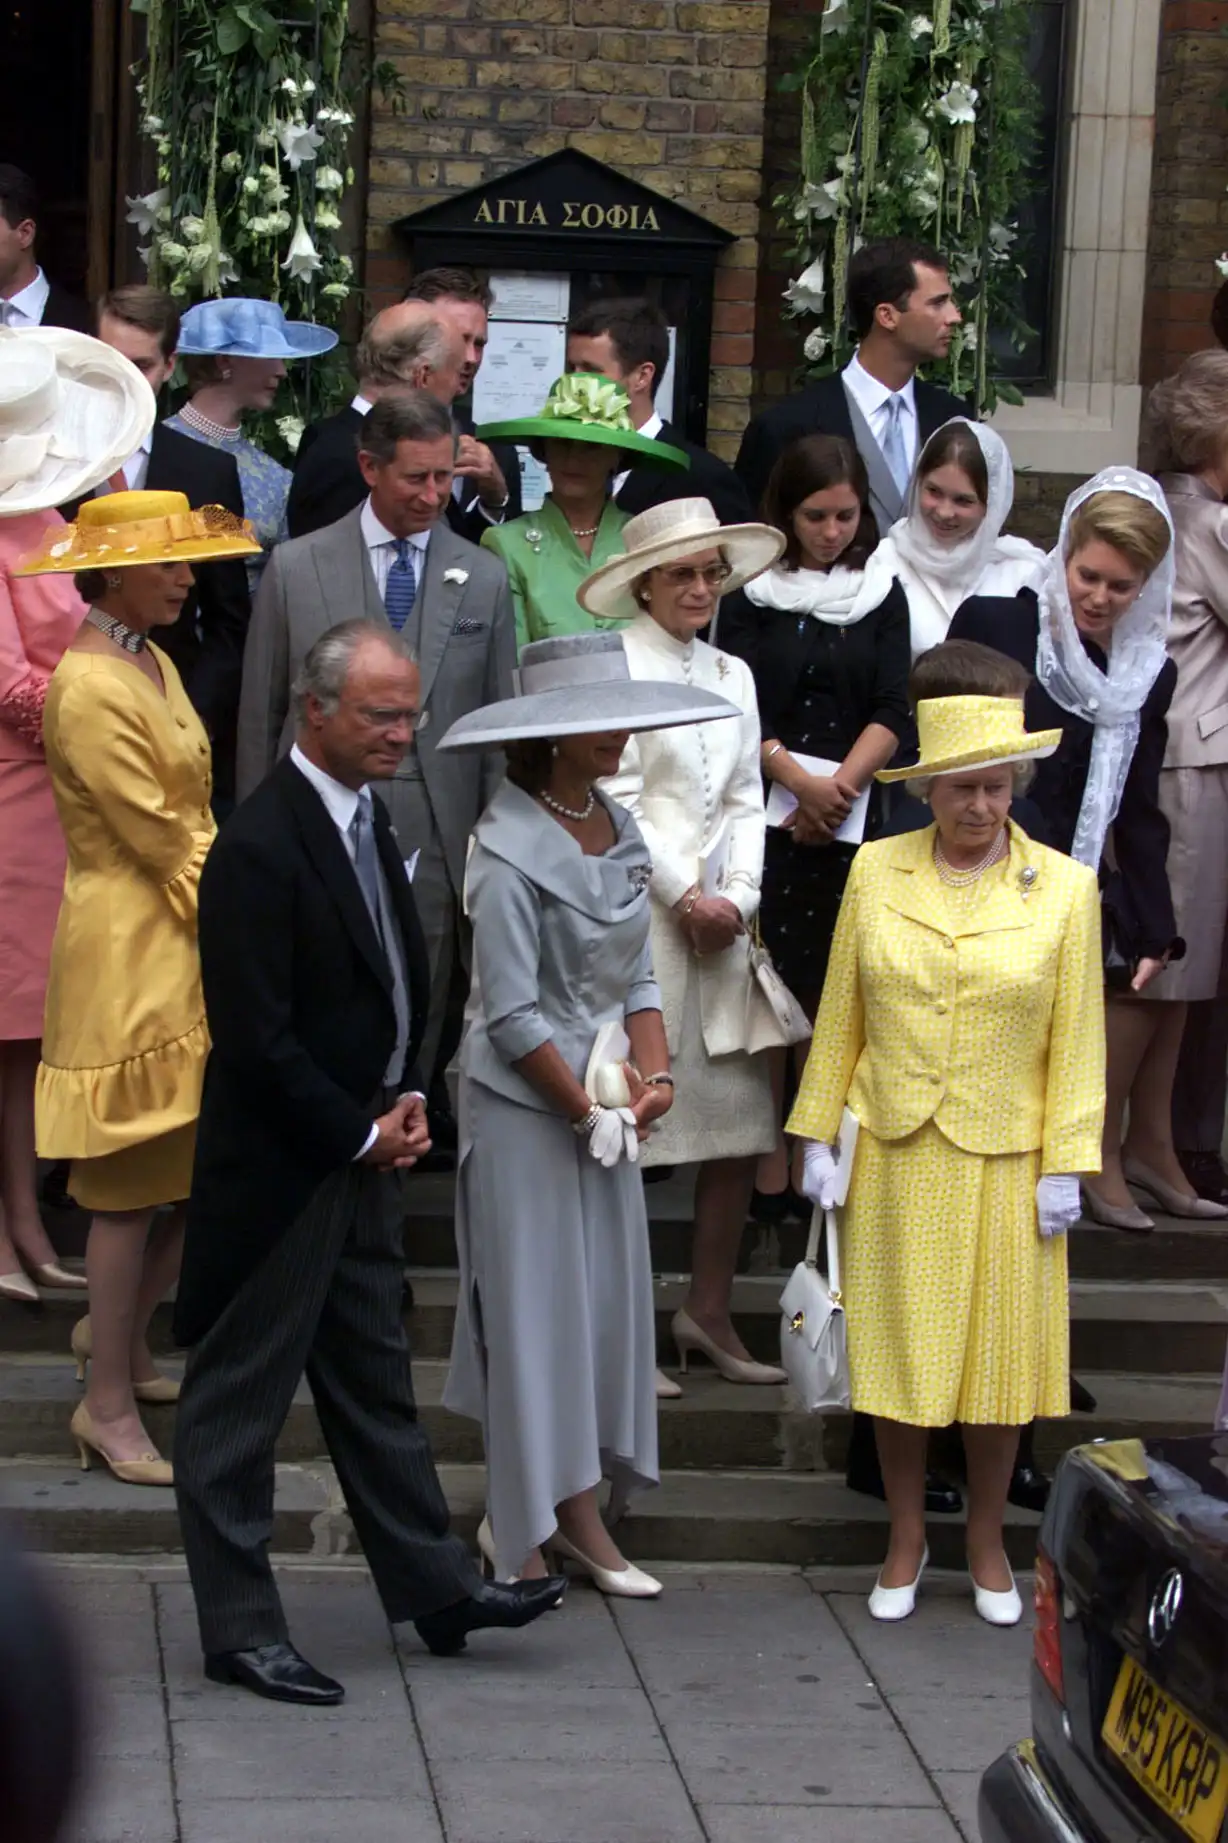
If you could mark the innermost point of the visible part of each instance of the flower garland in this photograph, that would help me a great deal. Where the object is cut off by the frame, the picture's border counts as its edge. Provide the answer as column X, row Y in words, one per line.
column 251, row 133
column 917, row 121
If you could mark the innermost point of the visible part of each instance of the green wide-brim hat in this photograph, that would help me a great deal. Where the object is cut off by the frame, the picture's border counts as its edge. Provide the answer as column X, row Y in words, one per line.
column 584, row 407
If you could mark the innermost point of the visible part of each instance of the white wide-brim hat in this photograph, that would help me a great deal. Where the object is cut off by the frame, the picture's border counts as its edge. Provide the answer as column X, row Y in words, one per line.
column 72, row 411
column 581, row 685
column 667, row 533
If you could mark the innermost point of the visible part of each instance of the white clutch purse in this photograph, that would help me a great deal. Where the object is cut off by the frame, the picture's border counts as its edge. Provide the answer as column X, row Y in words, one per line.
column 605, row 1079
column 774, row 1019
column 813, row 1333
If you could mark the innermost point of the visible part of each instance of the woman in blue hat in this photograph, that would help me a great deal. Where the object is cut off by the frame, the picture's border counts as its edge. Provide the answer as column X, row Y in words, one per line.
column 235, row 353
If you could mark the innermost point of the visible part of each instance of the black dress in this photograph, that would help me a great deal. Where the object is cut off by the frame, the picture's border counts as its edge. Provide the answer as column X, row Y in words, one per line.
column 818, row 686
column 1139, row 835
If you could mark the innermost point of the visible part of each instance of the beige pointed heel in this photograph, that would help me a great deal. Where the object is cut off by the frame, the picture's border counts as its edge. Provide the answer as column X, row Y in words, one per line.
column 149, row 1469
column 160, row 1390
column 689, row 1336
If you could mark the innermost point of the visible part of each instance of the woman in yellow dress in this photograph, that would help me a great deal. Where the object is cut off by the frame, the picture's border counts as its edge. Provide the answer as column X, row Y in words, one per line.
column 962, row 1024
column 125, row 1040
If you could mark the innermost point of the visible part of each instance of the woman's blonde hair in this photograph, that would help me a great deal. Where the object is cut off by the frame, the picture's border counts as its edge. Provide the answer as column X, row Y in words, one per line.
column 1127, row 523
column 1185, row 426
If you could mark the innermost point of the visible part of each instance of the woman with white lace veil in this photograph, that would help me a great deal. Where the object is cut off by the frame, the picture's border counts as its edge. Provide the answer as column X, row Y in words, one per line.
column 950, row 546
column 1095, row 638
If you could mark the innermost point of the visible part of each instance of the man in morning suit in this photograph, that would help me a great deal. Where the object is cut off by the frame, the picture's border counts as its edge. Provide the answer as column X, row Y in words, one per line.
column 628, row 340
column 316, row 991
column 27, row 296
column 395, row 559
column 206, row 642
column 903, row 314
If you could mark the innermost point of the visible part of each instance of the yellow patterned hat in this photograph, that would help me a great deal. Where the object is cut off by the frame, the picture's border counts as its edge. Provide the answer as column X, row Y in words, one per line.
column 961, row 733
column 121, row 529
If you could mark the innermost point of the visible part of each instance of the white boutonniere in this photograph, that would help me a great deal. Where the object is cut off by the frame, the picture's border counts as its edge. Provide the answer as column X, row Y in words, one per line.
column 460, row 576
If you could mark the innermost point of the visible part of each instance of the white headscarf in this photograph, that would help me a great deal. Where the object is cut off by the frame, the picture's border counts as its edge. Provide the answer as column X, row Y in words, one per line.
column 837, row 596
column 1110, row 700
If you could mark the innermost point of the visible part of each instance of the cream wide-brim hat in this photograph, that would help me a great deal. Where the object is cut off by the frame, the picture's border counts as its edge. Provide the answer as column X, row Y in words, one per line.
column 959, row 734
column 666, row 534
column 72, row 411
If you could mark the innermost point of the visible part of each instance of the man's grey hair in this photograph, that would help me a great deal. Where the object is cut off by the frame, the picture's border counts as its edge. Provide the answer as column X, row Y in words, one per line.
column 392, row 357
column 323, row 673
column 403, row 416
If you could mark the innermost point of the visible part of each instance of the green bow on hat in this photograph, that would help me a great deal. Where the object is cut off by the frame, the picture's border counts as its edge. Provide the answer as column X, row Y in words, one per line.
column 585, row 396
column 586, row 407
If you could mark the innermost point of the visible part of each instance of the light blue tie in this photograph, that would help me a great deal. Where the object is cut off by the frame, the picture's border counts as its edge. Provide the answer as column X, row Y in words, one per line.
column 401, row 590
column 893, row 444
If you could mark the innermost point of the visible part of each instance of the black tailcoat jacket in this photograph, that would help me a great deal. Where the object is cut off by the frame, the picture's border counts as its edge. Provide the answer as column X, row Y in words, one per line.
column 298, row 994
column 708, row 478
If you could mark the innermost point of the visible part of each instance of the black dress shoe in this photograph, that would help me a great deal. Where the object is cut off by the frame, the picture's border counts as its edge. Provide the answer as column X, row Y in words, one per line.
column 769, row 1208
column 275, row 1671
column 1206, row 1173
column 1029, row 1488
column 941, row 1499
column 503, row 1604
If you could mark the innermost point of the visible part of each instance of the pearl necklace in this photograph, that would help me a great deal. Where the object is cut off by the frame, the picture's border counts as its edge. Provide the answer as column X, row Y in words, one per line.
column 107, row 624
column 205, row 425
column 962, row 879
column 569, row 812
column 590, row 531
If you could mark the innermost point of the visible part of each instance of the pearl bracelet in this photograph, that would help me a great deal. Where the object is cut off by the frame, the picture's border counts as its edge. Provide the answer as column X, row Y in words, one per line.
column 582, row 1128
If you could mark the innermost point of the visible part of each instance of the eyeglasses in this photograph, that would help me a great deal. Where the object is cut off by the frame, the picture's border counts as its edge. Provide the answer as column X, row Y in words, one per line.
column 715, row 576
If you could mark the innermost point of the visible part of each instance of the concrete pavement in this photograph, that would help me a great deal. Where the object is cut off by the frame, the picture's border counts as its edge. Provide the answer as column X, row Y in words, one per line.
column 746, row 1706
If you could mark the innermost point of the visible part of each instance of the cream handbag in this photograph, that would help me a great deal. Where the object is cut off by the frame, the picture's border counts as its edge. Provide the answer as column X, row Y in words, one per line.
column 774, row 1019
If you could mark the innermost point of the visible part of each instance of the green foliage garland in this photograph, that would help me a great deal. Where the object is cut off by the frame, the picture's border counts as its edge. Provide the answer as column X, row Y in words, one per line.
column 919, row 121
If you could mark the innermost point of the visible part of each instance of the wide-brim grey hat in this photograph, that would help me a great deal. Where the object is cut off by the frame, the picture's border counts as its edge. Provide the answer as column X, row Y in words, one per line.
column 580, row 685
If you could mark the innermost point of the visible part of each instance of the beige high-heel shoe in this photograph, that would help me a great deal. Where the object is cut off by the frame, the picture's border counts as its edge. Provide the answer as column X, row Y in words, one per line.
column 59, row 1279
column 18, row 1288
column 149, row 1469
column 689, row 1336
column 625, row 1583
column 161, row 1389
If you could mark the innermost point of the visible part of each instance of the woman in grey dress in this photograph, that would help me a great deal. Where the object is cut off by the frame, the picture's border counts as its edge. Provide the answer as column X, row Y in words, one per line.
column 553, row 1349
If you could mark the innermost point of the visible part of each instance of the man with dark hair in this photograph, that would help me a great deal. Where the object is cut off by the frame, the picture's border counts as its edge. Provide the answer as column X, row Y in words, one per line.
column 628, row 340
column 27, row 297
column 206, row 642
column 903, row 314
column 395, row 560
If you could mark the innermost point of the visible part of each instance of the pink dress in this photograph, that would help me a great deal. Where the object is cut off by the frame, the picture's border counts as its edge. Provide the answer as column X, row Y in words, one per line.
column 38, row 617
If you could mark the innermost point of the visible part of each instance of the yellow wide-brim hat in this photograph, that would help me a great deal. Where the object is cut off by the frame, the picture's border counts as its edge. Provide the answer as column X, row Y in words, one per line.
column 122, row 529
column 957, row 734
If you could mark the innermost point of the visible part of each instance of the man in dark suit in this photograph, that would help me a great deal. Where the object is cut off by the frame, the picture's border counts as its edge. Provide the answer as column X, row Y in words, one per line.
column 903, row 314
column 628, row 340
column 27, row 296
column 316, row 991
column 206, row 642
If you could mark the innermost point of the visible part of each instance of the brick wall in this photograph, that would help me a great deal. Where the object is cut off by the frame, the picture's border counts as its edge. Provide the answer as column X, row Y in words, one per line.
column 1189, row 207
column 670, row 92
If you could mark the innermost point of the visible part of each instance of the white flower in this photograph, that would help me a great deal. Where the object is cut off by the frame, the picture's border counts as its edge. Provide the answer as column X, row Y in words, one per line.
column 153, row 124
column 816, row 345
column 279, row 221
column 820, row 201
column 164, row 147
column 919, row 25
column 963, row 270
column 276, row 194
column 307, row 87
column 924, row 203
column 327, row 218
column 289, row 86
column 146, row 254
column 191, row 229
column 299, row 144
column 458, row 576
column 266, row 138
column 970, row 335
column 251, row 185
column 807, row 294
column 328, row 179
column 268, row 174
column 336, row 291
column 345, row 265
column 172, row 253
column 1001, row 236
column 915, row 135
column 290, row 428
column 231, row 162
column 1221, row 265
column 958, row 104
column 143, row 212
column 259, row 227
column 835, row 16
column 302, row 260
column 199, row 258
column 226, row 269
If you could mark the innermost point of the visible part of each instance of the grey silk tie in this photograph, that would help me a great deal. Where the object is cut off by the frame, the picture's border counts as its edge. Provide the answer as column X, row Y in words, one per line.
column 366, row 862
column 383, row 918
column 893, row 444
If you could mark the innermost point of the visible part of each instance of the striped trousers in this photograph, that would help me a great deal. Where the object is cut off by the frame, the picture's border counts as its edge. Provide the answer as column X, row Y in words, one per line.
column 326, row 1301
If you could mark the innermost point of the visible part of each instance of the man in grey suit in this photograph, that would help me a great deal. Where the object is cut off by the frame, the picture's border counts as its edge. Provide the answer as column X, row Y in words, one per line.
column 395, row 560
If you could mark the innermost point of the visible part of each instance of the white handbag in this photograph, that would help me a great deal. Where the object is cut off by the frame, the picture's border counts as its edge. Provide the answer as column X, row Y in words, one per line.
column 813, row 1333
column 774, row 1019
column 605, row 1078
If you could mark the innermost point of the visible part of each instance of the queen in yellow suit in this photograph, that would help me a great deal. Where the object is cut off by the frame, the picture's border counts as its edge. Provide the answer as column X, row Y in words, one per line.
column 962, row 1024
column 125, row 1039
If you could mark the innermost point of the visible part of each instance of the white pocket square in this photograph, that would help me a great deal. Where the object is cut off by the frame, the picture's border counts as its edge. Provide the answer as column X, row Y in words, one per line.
column 461, row 576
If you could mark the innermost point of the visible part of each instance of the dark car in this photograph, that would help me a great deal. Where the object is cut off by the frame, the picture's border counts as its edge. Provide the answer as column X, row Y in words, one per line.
column 1130, row 1657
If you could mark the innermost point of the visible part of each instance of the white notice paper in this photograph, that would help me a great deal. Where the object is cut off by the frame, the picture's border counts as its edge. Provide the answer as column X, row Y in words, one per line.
column 522, row 361
column 781, row 803
column 714, row 862
column 519, row 296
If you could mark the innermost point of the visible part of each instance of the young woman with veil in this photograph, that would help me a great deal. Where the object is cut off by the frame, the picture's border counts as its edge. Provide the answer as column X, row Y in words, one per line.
column 1094, row 636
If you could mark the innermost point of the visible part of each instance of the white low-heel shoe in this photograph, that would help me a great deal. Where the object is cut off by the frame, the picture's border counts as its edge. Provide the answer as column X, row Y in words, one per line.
column 626, row 1583
column 998, row 1608
column 667, row 1389
column 891, row 1604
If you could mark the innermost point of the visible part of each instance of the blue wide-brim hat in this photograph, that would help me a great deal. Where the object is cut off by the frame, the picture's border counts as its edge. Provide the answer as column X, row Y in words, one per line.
column 240, row 328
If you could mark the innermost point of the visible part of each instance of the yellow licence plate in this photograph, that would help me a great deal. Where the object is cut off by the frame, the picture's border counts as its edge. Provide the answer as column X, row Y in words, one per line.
column 1175, row 1760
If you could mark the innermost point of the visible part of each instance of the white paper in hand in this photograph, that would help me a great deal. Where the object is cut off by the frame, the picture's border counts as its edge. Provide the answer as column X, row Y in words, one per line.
column 781, row 803
column 714, row 862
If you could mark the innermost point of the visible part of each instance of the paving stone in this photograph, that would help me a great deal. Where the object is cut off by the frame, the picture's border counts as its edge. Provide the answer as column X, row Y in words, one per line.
column 117, row 1644
column 943, row 1643
column 321, row 1757
column 317, row 1820
column 127, row 1717
column 792, row 1692
column 532, row 1801
column 494, row 1721
column 958, row 1792
column 962, row 1733
column 125, row 1801
column 563, row 1649
column 839, row 1824
column 860, row 1758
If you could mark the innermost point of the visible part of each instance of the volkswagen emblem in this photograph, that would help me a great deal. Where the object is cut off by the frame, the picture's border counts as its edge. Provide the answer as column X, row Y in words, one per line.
column 1165, row 1605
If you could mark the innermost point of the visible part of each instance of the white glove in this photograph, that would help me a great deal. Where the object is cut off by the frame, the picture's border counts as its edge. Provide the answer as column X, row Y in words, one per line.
column 819, row 1174
column 614, row 1136
column 1058, row 1204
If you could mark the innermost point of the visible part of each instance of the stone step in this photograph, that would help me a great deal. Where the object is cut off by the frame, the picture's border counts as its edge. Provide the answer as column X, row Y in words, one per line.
column 1176, row 1328
column 715, row 1426
column 799, row 1519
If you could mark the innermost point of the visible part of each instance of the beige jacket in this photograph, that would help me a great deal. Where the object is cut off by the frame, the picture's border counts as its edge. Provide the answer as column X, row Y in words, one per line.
column 1198, row 635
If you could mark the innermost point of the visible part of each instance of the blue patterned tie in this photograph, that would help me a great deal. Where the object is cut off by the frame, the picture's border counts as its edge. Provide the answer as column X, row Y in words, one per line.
column 401, row 590
column 893, row 444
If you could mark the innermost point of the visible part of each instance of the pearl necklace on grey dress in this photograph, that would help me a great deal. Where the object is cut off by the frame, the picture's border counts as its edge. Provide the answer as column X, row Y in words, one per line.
column 570, row 812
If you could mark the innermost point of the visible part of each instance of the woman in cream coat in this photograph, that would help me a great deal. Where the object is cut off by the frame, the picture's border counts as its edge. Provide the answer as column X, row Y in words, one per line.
column 698, row 792
column 962, row 1023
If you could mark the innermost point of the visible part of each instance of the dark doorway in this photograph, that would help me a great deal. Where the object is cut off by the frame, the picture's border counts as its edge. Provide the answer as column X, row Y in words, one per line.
column 46, row 52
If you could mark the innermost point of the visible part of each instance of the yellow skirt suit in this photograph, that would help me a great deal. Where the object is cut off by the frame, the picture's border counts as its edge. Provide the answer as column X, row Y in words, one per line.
column 965, row 1030
column 125, row 1039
